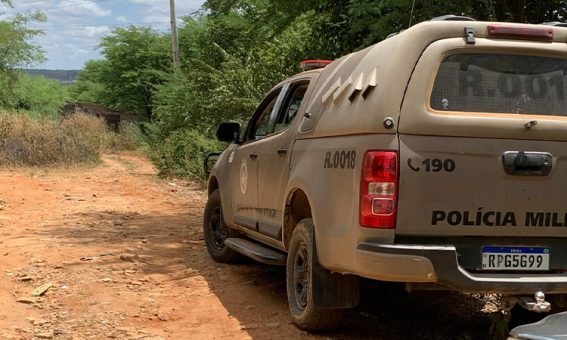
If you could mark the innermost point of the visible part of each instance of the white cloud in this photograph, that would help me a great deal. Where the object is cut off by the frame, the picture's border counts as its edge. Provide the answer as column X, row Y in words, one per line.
column 77, row 52
column 35, row 5
column 80, row 8
column 61, row 8
column 93, row 31
column 121, row 18
column 156, row 12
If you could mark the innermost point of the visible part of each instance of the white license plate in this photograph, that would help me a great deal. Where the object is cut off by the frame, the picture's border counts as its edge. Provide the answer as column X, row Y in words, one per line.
column 515, row 258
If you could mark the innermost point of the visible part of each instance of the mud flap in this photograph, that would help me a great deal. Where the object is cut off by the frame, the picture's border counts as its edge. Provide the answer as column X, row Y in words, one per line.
column 334, row 290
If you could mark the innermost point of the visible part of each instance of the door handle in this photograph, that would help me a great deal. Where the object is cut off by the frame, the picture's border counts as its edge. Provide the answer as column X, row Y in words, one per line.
column 281, row 152
column 527, row 163
column 253, row 156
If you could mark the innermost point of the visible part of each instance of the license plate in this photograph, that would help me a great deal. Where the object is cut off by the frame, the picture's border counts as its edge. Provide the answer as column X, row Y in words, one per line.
column 515, row 258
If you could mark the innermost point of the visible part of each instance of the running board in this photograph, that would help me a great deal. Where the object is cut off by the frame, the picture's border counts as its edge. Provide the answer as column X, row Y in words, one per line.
column 256, row 251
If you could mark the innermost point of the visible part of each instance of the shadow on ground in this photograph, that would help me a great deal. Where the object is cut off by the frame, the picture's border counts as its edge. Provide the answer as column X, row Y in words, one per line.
column 254, row 294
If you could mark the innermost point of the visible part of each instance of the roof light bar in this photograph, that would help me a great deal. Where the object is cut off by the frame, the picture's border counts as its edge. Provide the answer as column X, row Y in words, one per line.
column 307, row 65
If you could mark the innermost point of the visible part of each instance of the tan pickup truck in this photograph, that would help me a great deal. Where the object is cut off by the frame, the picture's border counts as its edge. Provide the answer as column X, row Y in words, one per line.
column 435, row 158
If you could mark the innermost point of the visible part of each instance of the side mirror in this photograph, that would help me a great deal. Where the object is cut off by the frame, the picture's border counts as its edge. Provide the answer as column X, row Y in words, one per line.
column 228, row 132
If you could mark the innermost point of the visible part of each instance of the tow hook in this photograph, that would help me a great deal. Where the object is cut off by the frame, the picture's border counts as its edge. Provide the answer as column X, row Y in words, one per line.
column 538, row 304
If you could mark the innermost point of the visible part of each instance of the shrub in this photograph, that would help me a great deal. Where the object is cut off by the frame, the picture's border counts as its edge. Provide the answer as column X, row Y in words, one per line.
column 130, row 138
column 181, row 154
column 25, row 141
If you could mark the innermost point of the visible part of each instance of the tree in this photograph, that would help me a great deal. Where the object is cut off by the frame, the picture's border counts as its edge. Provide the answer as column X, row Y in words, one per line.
column 16, row 51
column 88, row 87
column 39, row 96
column 136, row 61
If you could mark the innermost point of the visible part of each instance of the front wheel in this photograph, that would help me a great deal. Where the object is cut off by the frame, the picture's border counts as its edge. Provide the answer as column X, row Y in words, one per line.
column 299, row 278
column 216, row 232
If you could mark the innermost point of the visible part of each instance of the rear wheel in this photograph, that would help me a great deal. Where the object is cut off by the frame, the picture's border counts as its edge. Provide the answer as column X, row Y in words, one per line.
column 216, row 232
column 299, row 279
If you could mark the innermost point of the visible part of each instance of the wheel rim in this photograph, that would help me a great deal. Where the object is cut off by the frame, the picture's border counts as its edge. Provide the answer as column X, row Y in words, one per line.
column 217, row 230
column 301, row 275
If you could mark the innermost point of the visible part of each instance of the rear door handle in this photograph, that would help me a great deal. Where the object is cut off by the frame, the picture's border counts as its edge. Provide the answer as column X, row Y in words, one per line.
column 281, row 152
column 253, row 156
column 527, row 163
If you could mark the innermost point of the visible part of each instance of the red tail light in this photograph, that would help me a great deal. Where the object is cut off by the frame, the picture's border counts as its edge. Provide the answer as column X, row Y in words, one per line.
column 379, row 189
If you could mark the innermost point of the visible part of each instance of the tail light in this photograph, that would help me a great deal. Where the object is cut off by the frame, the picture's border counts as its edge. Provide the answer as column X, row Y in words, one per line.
column 521, row 32
column 379, row 189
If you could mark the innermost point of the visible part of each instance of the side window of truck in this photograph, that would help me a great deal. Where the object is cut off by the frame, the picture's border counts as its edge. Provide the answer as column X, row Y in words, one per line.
column 291, row 105
column 263, row 121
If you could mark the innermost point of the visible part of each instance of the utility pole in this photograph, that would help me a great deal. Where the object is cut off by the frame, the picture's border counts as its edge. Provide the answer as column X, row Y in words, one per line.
column 174, row 40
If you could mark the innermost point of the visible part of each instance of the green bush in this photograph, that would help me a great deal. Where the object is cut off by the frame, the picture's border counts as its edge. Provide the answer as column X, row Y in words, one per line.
column 181, row 154
column 39, row 96
column 129, row 138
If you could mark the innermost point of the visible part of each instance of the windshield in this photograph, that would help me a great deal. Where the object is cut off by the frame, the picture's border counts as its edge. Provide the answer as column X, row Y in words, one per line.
column 501, row 83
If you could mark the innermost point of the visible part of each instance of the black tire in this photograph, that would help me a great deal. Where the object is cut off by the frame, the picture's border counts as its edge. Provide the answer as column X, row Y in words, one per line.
column 216, row 232
column 299, row 276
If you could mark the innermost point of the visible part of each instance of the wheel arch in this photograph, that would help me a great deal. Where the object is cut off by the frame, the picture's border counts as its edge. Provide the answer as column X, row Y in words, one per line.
column 212, row 185
column 297, row 207
column 330, row 290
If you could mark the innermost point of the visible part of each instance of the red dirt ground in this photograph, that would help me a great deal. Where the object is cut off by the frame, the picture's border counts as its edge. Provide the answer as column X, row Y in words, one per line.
column 124, row 253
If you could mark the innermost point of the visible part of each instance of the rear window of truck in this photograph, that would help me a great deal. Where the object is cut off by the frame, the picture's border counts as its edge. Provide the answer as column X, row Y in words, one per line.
column 501, row 83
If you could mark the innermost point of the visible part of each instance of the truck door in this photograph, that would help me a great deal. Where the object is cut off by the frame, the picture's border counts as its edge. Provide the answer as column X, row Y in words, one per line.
column 274, row 161
column 245, row 161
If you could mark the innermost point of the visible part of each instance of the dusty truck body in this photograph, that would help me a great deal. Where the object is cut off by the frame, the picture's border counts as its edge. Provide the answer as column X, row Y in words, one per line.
column 436, row 158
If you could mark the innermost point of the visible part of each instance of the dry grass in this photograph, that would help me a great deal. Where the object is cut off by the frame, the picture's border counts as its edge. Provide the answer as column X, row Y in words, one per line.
column 129, row 138
column 26, row 141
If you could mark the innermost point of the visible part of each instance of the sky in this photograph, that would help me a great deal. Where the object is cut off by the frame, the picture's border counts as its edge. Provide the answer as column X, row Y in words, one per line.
column 74, row 27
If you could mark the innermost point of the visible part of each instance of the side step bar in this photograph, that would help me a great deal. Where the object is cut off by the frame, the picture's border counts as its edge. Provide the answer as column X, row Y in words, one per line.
column 256, row 251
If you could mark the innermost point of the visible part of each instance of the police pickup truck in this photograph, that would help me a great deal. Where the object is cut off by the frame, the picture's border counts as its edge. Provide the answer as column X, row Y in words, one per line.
column 436, row 158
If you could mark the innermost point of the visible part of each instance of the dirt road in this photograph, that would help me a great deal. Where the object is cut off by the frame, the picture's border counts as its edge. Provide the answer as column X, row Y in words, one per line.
column 123, row 253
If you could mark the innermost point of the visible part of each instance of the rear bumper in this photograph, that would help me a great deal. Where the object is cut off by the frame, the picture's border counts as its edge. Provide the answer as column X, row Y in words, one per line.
column 439, row 264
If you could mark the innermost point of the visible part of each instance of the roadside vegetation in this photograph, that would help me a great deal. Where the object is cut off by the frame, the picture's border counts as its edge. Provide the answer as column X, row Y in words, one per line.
column 31, row 141
column 26, row 141
column 32, row 132
column 20, row 92
column 232, row 52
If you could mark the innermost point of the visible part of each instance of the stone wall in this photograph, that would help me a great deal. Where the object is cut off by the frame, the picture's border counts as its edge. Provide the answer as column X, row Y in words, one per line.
column 112, row 117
